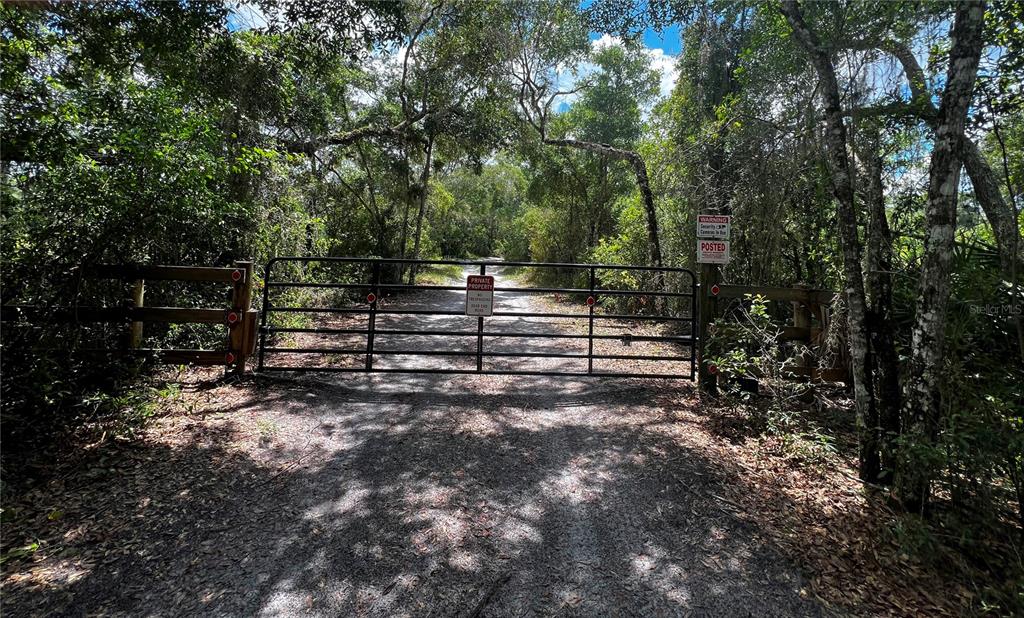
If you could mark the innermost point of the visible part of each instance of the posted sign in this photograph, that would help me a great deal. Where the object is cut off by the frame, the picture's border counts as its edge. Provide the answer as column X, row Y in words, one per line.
column 712, row 251
column 713, row 226
column 479, row 295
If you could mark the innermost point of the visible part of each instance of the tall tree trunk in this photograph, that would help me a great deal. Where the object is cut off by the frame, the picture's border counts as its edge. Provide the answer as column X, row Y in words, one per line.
column 923, row 399
column 1001, row 214
column 642, row 181
column 424, row 191
column 404, row 234
column 842, row 188
column 878, row 284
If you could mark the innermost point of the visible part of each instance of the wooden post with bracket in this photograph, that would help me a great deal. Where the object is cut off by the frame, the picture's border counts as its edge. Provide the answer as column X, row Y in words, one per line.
column 707, row 306
column 243, row 328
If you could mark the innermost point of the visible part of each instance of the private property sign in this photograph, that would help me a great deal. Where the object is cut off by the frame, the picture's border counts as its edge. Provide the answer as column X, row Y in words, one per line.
column 712, row 251
column 479, row 295
column 713, row 226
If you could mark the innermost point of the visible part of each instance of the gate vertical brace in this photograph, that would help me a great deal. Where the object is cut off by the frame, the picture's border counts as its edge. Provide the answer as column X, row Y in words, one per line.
column 693, row 325
column 480, row 331
column 266, row 312
column 372, row 322
column 590, row 331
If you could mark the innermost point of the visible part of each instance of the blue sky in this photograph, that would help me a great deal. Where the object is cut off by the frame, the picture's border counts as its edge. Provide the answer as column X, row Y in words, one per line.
column 668, row 40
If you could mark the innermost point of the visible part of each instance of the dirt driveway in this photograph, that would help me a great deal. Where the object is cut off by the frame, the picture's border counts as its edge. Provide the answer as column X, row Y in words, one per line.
column 420, row 495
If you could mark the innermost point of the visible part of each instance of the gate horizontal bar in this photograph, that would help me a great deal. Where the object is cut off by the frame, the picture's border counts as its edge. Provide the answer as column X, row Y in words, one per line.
column 596, row 292
column 462, row 288
column 354, row 260
column 491, row 372
column 596, row 316
column 458, row 333
column 496, row 314
column 473, row 353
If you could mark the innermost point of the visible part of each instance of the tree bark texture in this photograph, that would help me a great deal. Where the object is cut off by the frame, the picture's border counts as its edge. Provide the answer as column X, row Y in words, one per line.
column 923, row 397
column 878, row 284
column 424, row 191
column 842, row 188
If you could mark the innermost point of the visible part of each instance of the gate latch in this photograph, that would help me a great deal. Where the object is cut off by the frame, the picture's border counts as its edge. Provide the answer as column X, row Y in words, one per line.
column 627, row 340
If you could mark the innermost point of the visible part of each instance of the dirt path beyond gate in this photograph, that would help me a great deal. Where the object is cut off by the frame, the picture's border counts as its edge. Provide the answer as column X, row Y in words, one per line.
column 615, row 338
column 410, row 495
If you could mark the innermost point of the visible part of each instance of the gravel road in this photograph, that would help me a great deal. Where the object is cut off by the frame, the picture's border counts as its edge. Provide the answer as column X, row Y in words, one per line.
column 413, row 495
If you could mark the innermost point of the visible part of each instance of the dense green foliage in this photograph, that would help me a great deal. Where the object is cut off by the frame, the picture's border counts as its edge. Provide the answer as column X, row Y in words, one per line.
column 199, row 133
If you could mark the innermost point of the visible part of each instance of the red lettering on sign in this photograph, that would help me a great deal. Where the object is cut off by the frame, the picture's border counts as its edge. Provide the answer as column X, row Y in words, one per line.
column 481, row 283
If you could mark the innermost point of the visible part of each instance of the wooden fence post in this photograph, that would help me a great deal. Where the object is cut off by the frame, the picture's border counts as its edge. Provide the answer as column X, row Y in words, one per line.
column 707, row 306
column 802, row 320
column 242, row 330
column 135, row 330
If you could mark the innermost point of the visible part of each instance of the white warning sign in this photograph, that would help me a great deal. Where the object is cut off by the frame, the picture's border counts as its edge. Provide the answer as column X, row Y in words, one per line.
column 479, row 295
column 712, row 251
column 713, row 226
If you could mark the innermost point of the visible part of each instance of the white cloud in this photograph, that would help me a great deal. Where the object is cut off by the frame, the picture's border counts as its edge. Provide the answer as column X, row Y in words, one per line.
column 605, row 41
column 664, row 63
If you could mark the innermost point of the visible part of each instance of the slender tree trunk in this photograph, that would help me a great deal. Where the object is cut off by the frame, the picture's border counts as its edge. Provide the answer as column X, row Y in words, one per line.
column 842, row 188
column 878, row 284
column 1002, row 215
column 404, row 234
column 642, row 181
column 424, row 191
column 923, row 399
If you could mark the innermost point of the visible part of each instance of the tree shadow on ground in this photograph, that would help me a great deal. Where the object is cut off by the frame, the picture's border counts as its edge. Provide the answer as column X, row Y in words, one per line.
column 820, row 410
column 420, row 495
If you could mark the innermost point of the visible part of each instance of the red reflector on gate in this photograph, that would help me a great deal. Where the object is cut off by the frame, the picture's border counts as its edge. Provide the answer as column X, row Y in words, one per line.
column 236, row 275
column 715, row 290
column 229, row 358
column 712, row 369
column 590, row 300
column 371, row 297
column 232, row 317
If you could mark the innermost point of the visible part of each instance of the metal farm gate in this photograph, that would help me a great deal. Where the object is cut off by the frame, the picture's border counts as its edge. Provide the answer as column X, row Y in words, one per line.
column 356, row 315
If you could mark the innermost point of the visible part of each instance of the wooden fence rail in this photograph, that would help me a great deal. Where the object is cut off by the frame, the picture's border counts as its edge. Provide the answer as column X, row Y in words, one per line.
column 810, row 324
column 239, row 318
